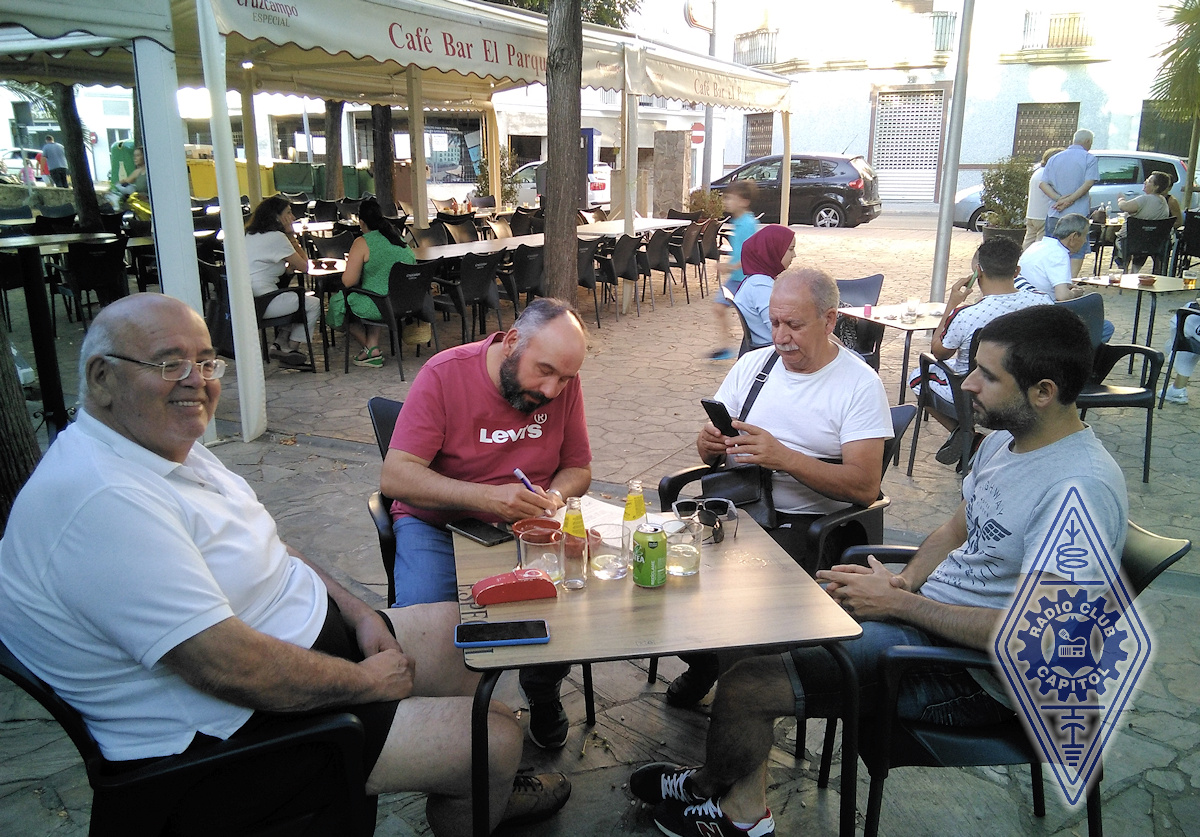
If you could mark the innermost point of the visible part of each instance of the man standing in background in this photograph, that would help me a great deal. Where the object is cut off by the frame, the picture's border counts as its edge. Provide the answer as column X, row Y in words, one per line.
column 1067, row 181
column 56, row 161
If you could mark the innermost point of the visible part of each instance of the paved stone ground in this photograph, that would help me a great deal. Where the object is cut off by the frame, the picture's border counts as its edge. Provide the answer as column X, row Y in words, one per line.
column 642, row 381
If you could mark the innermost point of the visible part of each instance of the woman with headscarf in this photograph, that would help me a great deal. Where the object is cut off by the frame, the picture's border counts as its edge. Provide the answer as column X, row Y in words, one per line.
column 765, row 255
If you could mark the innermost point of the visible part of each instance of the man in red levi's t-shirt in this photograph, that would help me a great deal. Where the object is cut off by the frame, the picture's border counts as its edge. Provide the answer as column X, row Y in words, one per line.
column 475, row 413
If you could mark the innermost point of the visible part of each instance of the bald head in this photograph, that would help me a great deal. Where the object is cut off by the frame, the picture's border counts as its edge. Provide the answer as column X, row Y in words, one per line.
column 118, row 326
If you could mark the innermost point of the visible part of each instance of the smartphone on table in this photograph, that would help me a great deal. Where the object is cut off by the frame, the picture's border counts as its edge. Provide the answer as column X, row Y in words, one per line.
column 719, row 416
column 480, row 532
column 487, row 634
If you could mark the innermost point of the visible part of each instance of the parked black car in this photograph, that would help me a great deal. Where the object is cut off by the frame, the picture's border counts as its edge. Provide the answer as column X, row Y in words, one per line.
column 829, row 190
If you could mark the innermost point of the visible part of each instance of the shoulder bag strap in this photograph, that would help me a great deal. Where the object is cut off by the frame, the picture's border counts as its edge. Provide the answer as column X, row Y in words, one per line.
column 759, row 380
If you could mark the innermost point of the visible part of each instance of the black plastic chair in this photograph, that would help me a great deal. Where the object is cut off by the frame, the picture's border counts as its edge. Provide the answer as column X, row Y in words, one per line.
column 434, row 236
column 408, row 296
column 686, row 252
column 621, row 264
column 91, row 270
column 1147, row 239
column 862, row 336
column 348, row 209
column 526, row 276
column 748, row 344
column 521, row 221
column 1179, row 345
column 383, row 413
column 144, row 801
column 586, row 256
column 474, row 289
column 299, row 208
column 331, row 247
column 901, row 743
column 963, row 411
column 656, row 256
column 460, row 229
column 854, row 524
column 499, row 228
column 324, row 211
column 1187, row 244
column 1096, row 393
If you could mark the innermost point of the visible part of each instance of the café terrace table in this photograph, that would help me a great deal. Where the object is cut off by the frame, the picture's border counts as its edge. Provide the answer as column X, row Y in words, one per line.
column 929, row 315
column 45, row 356
column 749, row 593
column 1132, row 282
column 325, row 281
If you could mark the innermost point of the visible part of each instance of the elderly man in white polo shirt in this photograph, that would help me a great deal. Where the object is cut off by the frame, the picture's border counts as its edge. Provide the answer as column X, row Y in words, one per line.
column 1046, row 266
column 146, row 584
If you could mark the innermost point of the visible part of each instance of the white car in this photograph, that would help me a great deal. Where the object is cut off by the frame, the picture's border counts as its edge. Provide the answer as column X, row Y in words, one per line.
column 1122, row 174
column 599, row 184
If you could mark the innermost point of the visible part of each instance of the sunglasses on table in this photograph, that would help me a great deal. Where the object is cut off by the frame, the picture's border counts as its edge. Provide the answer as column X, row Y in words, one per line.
column 710, row 512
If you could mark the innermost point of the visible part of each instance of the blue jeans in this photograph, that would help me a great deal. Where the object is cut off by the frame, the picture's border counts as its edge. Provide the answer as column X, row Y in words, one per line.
column 950, row 697
column 424, row 567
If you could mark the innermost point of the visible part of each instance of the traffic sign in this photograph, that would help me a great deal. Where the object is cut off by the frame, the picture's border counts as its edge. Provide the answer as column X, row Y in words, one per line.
column 697, row 133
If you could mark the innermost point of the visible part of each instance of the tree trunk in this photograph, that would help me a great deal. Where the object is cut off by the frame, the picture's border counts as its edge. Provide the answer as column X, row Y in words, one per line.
column 19, row 451
column 385, row 152
column 564, row 159
column 335, row 187
column 77, row 164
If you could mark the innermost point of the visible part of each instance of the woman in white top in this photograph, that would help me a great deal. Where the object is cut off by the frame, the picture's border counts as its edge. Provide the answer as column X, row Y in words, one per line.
column 1038, row 203
column 271, row 250
column 1151, row 205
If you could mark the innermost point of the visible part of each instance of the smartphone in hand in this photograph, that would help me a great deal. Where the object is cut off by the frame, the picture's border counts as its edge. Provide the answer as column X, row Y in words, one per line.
column 719, row 416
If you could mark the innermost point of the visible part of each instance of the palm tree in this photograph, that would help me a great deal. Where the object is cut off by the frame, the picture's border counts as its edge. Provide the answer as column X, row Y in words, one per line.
column 1177, row 86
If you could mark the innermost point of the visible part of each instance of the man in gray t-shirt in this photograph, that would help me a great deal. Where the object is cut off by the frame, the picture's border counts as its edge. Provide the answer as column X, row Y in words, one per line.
column 56, row 161
column 1030, row 366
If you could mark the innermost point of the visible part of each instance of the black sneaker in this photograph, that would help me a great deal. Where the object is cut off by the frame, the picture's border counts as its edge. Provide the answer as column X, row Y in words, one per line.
column 706, row 819
column 950, row 450
column 548, row 724
column 689, row 688
column 662, row 780
column 536, row 797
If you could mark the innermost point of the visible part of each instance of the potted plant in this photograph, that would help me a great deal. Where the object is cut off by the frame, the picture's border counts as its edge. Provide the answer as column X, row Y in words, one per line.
column 1005, row 194
column 707, row 202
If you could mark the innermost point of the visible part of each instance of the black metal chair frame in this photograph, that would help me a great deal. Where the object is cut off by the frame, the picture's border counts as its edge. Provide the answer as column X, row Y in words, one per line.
column 141, row 801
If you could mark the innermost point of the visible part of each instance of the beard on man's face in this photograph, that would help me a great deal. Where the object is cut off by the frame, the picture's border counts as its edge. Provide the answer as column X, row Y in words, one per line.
column 525, row 400
column 1016, row 416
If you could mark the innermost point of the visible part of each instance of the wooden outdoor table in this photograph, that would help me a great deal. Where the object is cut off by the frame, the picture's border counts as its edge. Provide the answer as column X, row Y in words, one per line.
column 45, row 356
column 748, row 594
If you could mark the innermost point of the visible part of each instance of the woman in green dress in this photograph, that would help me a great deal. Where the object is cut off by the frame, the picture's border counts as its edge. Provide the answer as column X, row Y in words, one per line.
column 368, row 264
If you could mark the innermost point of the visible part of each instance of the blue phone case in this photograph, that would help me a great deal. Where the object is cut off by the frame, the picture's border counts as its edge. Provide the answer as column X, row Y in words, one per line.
column 492, row 643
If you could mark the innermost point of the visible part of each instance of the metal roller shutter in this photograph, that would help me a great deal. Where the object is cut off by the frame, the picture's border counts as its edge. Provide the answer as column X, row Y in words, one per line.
column 908, row 144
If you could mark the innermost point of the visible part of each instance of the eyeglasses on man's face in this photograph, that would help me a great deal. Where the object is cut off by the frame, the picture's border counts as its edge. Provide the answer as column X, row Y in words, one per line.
column 177, row 370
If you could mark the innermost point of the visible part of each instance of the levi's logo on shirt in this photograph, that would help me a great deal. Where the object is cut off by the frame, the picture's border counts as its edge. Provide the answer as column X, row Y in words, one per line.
column 500, row 436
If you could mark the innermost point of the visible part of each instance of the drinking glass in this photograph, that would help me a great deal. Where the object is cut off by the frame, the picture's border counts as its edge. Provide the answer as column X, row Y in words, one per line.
column 683, row 546
column 607, row 551
column 542, row 549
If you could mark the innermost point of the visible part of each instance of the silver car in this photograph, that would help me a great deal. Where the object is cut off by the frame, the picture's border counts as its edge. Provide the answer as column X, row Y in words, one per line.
column 1122, row 174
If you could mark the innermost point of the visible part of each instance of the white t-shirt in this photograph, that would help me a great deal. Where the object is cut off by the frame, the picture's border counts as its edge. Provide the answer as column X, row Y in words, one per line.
column 1039, row 202
column 1045, row 264
column 113, row 556
column 814, row 413
column 267, row 253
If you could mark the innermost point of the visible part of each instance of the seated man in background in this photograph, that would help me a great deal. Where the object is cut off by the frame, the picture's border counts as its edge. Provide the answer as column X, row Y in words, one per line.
column 1031, row 365
column 821, row 402
column 1046, row 266
column 474, row 414
column 148, row 586
column 994, row 267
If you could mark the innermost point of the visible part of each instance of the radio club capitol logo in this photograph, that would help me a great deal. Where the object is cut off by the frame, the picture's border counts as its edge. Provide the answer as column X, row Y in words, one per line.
column 1072, row 647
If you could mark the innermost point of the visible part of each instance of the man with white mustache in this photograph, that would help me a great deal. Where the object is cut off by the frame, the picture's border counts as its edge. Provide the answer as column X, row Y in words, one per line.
column 820, row 402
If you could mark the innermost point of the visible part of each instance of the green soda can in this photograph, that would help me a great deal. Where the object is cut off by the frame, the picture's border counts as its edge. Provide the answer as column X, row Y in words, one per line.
column 649, row 556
